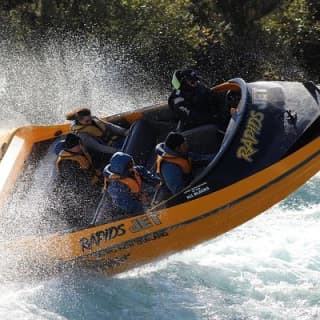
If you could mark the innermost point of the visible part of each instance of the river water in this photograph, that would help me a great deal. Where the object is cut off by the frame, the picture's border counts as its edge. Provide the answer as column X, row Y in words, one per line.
column 269, row 268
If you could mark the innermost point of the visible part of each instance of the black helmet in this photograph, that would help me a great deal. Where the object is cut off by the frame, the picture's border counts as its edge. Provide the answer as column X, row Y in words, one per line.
column 190, row 75
column 181, row 76
column 174, row 140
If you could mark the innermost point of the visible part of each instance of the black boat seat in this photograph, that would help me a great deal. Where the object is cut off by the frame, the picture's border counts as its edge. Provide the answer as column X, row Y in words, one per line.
column 203, row 139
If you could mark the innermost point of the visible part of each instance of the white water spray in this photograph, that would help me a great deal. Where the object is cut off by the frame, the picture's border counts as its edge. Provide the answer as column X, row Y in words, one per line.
column 40, row 88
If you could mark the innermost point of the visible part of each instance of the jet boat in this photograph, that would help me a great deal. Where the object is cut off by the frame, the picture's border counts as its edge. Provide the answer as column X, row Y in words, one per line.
column 270, row 147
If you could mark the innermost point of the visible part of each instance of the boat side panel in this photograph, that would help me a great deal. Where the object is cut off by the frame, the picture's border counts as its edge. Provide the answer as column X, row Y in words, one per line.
column 176, row 238
column 12, row 164
column 5, row 138
column 121, row 245
column 18, row 151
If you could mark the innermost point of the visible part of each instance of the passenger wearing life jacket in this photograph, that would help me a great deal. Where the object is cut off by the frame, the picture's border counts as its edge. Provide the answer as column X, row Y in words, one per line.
column 75, row 163
column 96, row 135
column 125, row 181
column 78, row 185
column 175, row 163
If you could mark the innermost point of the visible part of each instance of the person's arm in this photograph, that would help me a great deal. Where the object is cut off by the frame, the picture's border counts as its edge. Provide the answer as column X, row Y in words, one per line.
column 115, row 129
column 148, row 176
column 91, row 143
column 178, row 105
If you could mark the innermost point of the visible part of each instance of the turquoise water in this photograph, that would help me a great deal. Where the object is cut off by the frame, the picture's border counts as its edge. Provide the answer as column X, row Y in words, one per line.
column 268, row 268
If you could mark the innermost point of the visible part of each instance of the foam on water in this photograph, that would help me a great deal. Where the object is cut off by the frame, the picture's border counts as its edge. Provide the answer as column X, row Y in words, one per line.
column 268, row 268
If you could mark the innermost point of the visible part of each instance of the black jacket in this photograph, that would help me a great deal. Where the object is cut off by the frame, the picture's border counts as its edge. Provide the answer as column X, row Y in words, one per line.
column 196, row 106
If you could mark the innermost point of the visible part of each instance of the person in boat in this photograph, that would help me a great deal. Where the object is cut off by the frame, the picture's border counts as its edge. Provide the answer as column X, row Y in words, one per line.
column 175, row 164
column 127, row 184
column 96, row 135
column 193, row 103
column 78, row 183
column 75, row 161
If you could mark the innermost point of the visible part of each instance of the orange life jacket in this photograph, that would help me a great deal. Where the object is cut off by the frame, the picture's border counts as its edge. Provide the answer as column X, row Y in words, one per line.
column 183, row 163
column 97, row 129
column 133, row 183
column 84, row 160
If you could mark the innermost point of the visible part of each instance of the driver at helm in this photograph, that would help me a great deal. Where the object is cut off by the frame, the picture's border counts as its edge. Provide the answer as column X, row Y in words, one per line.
column 192, row 102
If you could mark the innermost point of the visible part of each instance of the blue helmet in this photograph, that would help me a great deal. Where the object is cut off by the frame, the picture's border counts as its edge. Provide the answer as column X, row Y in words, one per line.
column 119, row 163
column 59, row 147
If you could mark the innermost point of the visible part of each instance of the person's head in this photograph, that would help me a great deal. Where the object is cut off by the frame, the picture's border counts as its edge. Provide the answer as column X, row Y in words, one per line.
column 82, row 116
column 177, row 142
column 72, row 143
column 121, row 163
column 186, row 77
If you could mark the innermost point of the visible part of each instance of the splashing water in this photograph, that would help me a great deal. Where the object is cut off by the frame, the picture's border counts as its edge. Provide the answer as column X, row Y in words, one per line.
column 40, row 88
column 268, row 268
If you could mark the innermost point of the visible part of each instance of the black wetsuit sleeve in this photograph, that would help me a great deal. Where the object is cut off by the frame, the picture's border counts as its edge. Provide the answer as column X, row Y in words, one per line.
column 178, row 105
